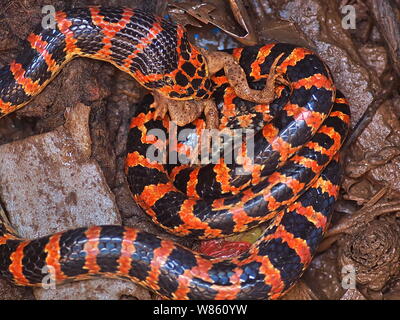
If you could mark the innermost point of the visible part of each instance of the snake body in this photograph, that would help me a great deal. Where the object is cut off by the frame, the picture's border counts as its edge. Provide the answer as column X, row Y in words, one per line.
column 291, row 185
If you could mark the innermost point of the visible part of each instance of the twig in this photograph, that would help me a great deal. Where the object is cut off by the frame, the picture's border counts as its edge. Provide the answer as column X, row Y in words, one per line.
column 368, row 115
column 384, row 13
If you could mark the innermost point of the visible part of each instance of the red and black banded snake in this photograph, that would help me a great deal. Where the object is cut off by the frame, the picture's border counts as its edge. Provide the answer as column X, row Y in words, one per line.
column 292, row 187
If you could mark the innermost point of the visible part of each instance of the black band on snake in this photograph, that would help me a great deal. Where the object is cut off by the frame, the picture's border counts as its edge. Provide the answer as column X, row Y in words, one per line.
column 292, row 178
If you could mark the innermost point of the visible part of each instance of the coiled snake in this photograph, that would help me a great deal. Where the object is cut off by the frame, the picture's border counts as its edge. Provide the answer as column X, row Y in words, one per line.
column 292, row 184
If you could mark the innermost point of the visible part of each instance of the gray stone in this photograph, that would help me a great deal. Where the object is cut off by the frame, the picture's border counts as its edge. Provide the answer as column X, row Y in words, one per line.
column 48, row 184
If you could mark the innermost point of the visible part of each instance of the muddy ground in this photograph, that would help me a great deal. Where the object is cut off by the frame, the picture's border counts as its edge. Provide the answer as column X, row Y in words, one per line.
column 359, row 258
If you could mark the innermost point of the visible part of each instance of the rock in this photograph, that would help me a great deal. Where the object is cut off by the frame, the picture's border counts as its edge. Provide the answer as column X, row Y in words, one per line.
column 11, row 292
column 323, row 276
column 375, row 142
column 353, row 294
column 97, row 289
column 376, row 57
column 48, row 183
column 300, row 291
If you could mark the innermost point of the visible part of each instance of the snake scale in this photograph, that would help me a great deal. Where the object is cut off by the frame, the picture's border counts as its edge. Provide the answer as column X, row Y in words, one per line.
column 291, row 187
